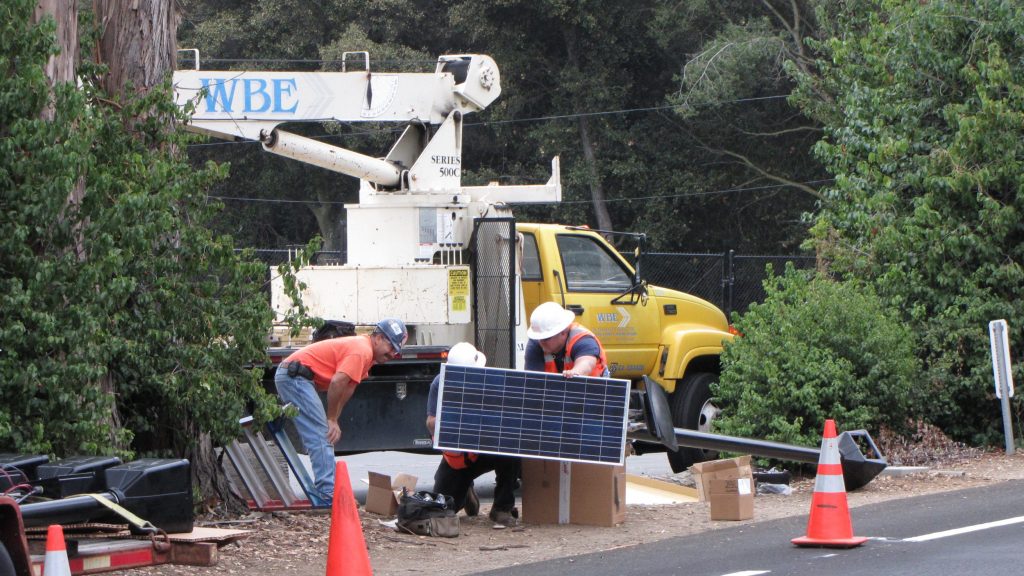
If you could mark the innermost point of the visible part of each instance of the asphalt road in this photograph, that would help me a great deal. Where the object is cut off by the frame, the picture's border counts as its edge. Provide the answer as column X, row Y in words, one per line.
column 976, row 531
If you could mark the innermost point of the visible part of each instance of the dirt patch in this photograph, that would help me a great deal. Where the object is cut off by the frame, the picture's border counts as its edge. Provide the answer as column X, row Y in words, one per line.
column 295, row 544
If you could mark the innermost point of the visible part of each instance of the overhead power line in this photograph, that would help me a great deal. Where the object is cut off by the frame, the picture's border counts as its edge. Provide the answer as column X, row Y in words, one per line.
column 609, row 200
column 497, row 122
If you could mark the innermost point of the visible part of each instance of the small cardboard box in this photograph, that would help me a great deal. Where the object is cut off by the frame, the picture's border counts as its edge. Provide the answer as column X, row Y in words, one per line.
column 383, row 494
column 726, row 469
column 596, row 493
column 731, row 499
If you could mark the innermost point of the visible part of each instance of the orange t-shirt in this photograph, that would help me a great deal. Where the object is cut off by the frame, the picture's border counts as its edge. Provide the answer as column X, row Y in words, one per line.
column 352, row 355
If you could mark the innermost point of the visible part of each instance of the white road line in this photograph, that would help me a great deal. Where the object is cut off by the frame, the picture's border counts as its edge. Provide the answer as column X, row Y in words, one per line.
column 965, row 530
column 748, row 573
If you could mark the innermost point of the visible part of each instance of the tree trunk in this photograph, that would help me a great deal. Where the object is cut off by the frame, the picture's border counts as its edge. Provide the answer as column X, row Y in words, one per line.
column 329, row 220
column 138, row 45
column 61, row 67
column 604, row 220
column 597, row 198
column 208, row 475
column 61, row 70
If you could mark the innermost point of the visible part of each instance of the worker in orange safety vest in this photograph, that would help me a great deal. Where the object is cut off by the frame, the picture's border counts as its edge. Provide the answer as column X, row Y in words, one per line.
column 560, row 345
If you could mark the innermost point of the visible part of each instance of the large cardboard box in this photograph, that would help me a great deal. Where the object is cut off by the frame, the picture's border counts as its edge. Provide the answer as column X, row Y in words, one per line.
column 541, row 491
column 731, row 499
column 726, row 469
column 557, row 492
column 383, row 494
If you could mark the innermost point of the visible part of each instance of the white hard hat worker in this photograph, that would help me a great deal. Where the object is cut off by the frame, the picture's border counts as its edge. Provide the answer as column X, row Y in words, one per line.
column 461, row 354
column 465, row 354
column 554, row 331
column 549, row 319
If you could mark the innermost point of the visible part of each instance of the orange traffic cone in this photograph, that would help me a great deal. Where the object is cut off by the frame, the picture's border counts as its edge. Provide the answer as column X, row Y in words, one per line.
column 346, row 547
column 55, row 563
column 829, row 525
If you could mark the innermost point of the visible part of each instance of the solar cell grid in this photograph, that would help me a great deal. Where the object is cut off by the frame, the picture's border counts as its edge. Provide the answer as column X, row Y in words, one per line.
column 499, row 411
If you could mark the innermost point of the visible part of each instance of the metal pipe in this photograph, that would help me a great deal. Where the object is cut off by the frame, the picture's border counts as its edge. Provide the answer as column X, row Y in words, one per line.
column 72, row 510
column 762, row 448
column 332, row 158
column 857, row 469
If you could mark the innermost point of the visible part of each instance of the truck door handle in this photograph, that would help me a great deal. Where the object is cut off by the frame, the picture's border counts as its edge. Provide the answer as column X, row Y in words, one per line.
column 575, row 309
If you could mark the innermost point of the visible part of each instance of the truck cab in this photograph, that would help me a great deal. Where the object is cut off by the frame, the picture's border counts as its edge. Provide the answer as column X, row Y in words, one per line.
column 673, row 338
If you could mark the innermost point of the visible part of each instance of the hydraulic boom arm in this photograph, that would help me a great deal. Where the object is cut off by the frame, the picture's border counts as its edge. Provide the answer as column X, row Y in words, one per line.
column 248, row 105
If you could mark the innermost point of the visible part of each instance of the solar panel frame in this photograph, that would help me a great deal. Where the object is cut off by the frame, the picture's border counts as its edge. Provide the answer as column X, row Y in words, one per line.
column 532, row 414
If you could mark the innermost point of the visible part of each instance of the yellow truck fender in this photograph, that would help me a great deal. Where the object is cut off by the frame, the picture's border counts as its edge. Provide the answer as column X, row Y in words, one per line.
column 682, row 344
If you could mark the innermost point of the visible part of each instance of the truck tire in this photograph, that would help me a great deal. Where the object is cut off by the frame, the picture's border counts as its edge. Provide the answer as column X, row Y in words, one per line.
column 6, row 565
column 692, row 408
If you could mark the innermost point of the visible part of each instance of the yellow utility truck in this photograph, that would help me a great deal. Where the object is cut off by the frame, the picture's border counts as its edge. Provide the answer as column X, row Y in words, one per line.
column 448, row 259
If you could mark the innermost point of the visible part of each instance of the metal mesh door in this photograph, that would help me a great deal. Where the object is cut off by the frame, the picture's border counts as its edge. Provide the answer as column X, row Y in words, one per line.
column 493, row 259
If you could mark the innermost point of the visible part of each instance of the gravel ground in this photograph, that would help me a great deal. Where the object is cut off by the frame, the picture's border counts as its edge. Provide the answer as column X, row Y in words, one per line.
column 295, row 544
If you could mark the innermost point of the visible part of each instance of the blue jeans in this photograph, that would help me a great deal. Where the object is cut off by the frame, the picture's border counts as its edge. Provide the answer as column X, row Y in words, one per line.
column 311, row 424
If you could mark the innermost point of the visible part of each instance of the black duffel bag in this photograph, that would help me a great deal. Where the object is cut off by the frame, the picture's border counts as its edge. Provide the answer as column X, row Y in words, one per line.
column 427, row 514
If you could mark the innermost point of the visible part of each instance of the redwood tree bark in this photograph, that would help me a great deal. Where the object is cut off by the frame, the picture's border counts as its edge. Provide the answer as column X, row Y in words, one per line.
column 138, row 43
column 61, row 67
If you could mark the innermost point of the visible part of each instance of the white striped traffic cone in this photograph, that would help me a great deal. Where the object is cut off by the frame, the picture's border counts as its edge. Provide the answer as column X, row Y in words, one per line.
column 55, row 563
column 829, row 525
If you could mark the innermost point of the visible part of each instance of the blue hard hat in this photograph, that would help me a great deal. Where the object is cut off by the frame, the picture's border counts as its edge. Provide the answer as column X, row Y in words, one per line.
column 396, row 332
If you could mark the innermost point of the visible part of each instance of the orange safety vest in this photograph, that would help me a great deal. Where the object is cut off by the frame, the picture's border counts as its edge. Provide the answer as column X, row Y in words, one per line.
column 459, row 460
column 575, row 333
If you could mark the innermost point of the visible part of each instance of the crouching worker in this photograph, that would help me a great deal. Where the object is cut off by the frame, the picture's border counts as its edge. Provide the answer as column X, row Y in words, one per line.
column 457, row 470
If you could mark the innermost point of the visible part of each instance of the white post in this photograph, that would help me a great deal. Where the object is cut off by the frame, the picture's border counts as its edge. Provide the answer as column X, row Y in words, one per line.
column 997, row 330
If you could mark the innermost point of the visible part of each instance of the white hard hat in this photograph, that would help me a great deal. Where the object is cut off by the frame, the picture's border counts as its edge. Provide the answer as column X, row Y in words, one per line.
column 465, row 354
column 547, row 320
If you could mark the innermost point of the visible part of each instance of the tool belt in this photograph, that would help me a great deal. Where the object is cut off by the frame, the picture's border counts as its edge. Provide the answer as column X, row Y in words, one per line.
column 297, row 369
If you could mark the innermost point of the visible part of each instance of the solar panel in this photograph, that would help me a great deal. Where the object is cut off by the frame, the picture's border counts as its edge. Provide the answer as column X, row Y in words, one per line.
column 535, row 414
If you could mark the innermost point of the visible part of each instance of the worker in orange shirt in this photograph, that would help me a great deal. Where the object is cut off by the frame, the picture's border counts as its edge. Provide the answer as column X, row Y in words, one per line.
column 335, row 366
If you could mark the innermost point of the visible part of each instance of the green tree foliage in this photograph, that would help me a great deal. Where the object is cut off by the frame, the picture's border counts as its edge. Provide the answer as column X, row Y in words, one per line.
column 816, row 349
column 731, row 97
column 127, row 323
column 595, row 73
column 924, row 120
column 587, row 81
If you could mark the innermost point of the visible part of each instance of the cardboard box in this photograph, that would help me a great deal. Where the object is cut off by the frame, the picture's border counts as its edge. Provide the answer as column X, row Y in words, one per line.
column 731, row 499
column 597, row 494
column 557, row 492
column 383, row 494
column 726, row 469
column 541, row 491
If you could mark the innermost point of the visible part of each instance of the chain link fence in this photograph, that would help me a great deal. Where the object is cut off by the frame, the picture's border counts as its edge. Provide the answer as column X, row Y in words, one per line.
column 275, row 256
column 728, row 280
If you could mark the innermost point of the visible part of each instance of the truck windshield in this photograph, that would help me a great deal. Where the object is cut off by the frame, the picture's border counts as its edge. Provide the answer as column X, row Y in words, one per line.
column 589, row 267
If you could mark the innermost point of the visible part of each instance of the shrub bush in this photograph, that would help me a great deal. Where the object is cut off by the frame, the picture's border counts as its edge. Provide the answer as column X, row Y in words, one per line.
column 815, row 349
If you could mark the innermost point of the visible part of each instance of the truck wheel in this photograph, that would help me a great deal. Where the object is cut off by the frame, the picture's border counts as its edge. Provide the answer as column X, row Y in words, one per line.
column 692, row 408
column 6, row 565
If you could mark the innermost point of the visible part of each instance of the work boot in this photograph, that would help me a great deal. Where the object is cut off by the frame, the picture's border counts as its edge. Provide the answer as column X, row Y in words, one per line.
column 504, row 518
column 472, row 506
